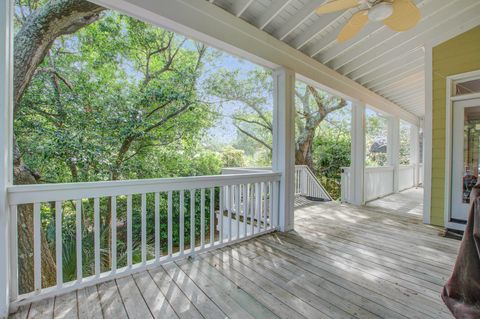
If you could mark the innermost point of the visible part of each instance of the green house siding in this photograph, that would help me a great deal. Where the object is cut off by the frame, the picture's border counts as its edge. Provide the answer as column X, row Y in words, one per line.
column 458, row 55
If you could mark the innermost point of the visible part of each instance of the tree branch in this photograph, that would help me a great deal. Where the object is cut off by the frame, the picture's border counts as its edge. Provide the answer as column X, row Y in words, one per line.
column 32, row 42
column 268, row 127
column 253, row 137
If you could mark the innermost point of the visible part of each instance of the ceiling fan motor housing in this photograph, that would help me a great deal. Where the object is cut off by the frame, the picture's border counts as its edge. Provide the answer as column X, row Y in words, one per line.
column 380, row 12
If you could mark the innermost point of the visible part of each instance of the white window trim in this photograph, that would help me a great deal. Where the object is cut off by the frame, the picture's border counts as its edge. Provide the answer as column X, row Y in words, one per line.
column 450, row 99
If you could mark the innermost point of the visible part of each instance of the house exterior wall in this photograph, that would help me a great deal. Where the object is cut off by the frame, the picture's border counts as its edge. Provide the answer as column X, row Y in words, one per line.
column 457, row 55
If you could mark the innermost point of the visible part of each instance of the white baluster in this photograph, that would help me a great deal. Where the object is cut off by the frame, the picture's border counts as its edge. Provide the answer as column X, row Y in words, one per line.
column 169, row 224
column 265, row 204
column 259, row 206
column 212, row 216
column 229, row 211
column 114, row 234
column 144, row 228
column 129, row 231
column 58, row 243
column 14, row 252
column 96, row 229
column 270, row 204
column 78, row 224
column 202, row 218
column 237, row 210
column 220, row 214
column 192, row 220
column 245, row 209
column 157, row 227
column 182, row 221
column 37, row 253
column 252, row 208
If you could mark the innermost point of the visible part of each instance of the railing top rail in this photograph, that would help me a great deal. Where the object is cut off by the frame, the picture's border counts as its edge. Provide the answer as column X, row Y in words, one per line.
column 25, row 194
column 379, row 168
column 243, row 170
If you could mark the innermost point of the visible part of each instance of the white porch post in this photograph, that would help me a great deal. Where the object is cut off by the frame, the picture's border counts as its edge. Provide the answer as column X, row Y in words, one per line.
column 6, row 129
column 393, row 149
column 283, row 156
column 414, row 153
column 357, row 186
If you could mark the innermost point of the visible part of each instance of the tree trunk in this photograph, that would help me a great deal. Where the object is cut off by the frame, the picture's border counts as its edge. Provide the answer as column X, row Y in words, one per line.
column 22, row 175
column 303, row 153
column 32, row 42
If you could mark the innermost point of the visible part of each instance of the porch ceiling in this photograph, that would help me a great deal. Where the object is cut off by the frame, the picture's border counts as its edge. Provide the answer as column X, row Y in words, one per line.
column 388, row 63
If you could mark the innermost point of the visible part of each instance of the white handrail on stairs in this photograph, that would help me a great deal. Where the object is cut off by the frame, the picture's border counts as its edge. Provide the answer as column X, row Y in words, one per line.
column 307, row 184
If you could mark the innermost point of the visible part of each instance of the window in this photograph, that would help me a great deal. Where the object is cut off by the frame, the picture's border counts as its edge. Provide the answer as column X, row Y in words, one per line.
column 376, row 132
column 405, row 145
column 466, row 87
column 323, row 140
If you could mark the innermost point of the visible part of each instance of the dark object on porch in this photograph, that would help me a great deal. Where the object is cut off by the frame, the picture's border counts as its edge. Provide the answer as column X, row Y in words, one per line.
column 451, row 233
column 461, row 293
column 316, row 199
column 379, row 146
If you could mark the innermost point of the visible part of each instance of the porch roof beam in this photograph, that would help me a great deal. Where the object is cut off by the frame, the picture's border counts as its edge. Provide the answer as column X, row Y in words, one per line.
column 212, row 25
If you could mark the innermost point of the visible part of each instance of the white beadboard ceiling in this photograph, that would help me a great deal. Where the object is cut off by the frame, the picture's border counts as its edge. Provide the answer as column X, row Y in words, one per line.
column 389, row 63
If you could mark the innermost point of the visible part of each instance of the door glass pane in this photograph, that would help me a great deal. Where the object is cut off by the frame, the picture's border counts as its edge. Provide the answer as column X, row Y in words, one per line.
column 467, row 87
column 471, row 150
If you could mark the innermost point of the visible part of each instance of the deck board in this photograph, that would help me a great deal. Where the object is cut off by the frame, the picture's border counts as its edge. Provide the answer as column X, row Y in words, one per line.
column 341, row 261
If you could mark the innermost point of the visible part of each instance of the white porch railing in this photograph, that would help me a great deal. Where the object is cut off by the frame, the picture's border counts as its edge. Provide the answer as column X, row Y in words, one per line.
column 307, row 184
column 346, row 195
column 248, row 202
column 406, row 177
column 420, row 174
column 378, row 181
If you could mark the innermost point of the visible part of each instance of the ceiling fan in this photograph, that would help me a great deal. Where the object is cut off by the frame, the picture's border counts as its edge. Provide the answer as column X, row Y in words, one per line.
column 398, row 15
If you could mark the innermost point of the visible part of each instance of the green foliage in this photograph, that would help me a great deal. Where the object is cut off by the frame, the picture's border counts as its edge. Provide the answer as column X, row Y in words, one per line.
column 117, row 100
column 405, row 143
column 249, row 93
column 232, row 157
column 332, row 149
column 376, row 133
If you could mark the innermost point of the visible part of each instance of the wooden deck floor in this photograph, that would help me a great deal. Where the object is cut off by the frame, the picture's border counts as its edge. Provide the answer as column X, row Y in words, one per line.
column 340, row 262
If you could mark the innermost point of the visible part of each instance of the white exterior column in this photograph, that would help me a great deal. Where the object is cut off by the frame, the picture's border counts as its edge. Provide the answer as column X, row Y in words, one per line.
column 6, row 131
column 393, row 149
column 415, row 154
column 357, row 166
column 283, row 154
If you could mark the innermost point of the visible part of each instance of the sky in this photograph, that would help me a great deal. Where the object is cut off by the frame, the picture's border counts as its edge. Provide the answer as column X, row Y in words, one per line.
column 224, row 132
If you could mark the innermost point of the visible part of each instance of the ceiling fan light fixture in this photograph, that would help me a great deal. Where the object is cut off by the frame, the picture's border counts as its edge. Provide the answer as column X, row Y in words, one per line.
column 380, row 11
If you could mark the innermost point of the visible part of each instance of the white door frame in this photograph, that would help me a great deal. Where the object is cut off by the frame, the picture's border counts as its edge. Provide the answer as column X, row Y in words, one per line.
column 451, row 80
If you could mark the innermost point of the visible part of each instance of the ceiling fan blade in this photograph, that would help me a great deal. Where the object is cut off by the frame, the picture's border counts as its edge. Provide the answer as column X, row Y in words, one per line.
column 404, row 17
column 336, row 5
column 356, row 23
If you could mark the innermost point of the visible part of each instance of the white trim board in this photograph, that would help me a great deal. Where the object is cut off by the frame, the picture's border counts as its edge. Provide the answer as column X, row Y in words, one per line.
column 448, row 140
column 210, row 24
column 6, row 144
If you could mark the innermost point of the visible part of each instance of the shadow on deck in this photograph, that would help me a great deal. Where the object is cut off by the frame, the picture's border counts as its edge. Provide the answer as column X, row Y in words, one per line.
column 340, row 262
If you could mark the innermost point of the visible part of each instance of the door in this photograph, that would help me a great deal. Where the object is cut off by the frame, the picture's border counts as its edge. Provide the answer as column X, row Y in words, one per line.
column 465, row 155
